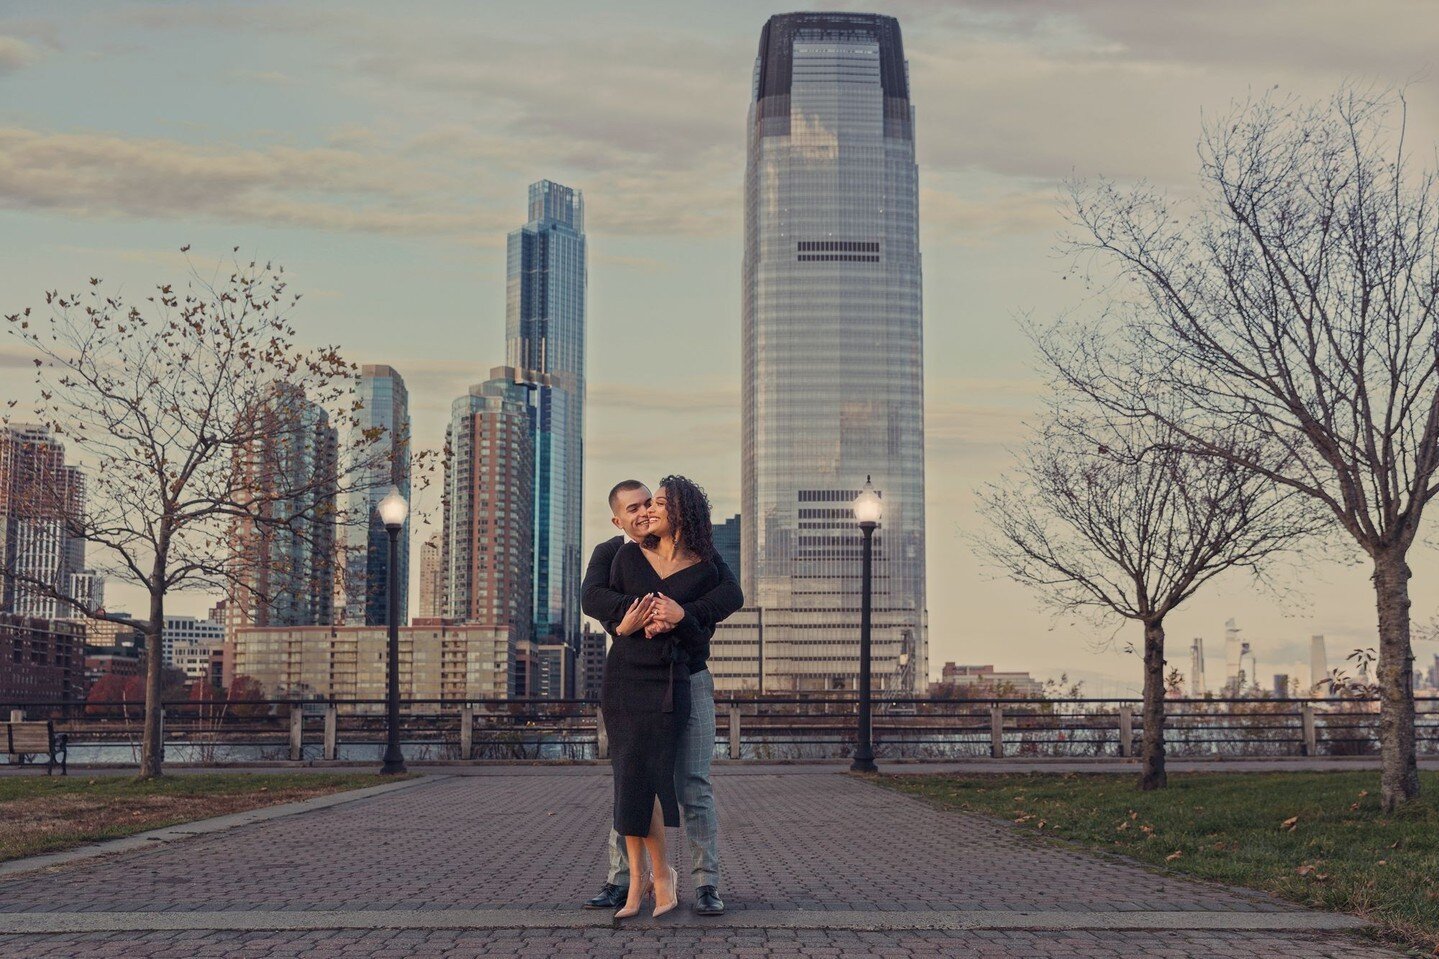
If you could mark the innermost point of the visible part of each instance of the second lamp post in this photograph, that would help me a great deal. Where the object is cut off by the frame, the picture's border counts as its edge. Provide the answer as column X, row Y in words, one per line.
column 867, row 509
column 393, row 509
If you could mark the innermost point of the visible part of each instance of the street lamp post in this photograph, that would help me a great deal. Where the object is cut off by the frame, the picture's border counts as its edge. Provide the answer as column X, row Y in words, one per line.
column 867, row 509
column 393, row 509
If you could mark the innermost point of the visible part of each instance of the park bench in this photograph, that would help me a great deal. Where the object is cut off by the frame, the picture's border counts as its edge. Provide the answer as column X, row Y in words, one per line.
column 22, row 738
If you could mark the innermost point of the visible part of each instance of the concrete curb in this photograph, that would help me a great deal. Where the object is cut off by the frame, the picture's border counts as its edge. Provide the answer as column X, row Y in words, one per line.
column 52, row 923
column 982, row 766
column 200, row 827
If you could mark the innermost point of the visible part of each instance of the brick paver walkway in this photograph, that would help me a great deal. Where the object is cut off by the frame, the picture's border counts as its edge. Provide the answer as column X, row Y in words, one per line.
column 528, row 848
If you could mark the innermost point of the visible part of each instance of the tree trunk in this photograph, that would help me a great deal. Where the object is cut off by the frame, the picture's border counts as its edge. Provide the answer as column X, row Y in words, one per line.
column 1153, row 775
column 1399, row 777
column 152, row 747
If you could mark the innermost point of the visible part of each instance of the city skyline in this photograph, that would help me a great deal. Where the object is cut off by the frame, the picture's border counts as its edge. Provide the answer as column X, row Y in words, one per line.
column 379, row 163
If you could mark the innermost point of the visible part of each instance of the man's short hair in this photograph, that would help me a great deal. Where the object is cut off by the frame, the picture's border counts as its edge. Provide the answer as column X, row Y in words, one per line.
column 624, row 486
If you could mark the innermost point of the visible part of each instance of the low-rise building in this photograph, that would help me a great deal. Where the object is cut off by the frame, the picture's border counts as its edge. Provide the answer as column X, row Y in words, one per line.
column 963, row 681
column 191, row 644
column 440, row 659
column 41, row 660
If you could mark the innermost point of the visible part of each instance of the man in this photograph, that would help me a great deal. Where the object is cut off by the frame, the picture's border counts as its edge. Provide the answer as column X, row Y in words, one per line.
column 629, row 506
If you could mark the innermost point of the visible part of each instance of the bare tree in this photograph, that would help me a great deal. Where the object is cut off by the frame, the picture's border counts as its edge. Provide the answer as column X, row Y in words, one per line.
column 1104, row 516
column 1296, row 302
column 220, row 454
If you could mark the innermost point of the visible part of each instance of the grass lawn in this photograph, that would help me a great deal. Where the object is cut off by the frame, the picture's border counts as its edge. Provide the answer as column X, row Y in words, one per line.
column 1316, row 838
column 48, row 813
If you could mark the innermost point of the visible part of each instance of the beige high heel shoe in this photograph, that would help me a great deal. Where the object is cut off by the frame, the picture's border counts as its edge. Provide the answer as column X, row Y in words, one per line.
column 675, row 888
column 647, row 886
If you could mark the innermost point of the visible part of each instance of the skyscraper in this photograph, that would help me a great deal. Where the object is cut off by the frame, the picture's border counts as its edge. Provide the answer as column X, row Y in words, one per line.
column 545, row 343
column 40, row 497
column 833, row 382
column 284, row 557
column 386, row 411
column 487, row 541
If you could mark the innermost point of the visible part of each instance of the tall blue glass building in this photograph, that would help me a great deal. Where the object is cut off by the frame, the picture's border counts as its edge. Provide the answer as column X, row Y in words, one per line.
column 833, row 376
column 386, row 409
column 545, row 342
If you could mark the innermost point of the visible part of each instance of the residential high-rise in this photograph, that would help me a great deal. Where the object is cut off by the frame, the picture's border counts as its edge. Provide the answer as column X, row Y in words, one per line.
column 487, row 540
column 545, row 343
column 285, row 557
column 385, row 414
column 40, row 499
column 832, row 351
column 432, row 579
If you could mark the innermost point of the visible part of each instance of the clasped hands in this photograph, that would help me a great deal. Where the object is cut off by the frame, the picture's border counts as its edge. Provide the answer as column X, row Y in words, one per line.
column 655, row 613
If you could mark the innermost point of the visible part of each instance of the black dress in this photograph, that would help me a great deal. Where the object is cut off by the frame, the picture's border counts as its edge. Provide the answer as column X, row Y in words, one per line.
column 646, row 693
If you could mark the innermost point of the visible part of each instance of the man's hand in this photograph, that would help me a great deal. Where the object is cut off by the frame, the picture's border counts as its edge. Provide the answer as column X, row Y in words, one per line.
column 664, row 615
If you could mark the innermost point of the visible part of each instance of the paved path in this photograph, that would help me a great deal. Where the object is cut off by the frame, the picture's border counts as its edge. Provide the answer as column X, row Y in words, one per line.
column 816, row 865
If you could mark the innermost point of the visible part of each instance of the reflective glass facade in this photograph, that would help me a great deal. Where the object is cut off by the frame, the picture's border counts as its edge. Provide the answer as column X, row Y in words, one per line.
column 367, row 555
column 832, row 350
column 545, row 342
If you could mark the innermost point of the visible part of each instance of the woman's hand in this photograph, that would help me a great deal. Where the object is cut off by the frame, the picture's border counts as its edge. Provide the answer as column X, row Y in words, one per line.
column 636, row 616
column 665, row 615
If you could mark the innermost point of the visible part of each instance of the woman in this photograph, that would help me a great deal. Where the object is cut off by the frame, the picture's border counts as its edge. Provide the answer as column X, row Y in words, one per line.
column 646, row 691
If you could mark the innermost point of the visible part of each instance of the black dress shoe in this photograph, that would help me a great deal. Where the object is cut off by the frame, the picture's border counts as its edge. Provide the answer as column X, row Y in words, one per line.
column 708, row 902
column 610, row 897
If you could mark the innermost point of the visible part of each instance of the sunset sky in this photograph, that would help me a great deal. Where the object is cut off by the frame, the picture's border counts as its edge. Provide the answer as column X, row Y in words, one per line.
column 381, row 152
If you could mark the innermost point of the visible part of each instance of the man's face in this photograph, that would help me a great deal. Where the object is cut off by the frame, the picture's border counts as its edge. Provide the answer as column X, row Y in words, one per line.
column 631, row 512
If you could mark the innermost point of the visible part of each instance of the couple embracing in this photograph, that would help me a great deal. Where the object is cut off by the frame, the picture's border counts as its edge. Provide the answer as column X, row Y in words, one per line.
column 659, row 589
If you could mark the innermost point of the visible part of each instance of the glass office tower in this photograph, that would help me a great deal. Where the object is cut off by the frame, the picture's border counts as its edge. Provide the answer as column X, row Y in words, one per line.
column 545, row 342
column 367, row 554
column 832, row 351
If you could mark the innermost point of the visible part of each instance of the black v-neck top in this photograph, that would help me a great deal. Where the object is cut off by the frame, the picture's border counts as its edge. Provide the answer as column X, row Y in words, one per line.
column 632, row 574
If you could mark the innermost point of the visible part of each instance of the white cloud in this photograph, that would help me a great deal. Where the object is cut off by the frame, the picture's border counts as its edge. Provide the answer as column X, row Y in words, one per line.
column 16, row 54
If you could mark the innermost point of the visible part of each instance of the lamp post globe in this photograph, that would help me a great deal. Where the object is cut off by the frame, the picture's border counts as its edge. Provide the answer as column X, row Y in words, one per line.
column 393, row 510
column 867, row 510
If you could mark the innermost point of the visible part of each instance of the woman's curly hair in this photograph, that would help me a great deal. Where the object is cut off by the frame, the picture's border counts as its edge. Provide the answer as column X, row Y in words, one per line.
column 689, row 514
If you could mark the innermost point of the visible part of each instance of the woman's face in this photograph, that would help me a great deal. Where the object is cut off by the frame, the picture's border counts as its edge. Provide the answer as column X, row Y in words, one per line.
column 659, row 515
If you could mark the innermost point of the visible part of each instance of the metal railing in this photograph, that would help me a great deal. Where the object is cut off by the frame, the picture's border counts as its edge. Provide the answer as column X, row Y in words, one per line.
column 747, row 728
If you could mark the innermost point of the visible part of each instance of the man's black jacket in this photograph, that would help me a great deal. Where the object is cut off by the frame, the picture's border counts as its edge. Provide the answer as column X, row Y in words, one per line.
column 608, row 605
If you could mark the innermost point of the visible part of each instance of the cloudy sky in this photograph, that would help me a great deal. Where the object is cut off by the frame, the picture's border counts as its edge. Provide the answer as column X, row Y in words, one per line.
column 382, row 156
